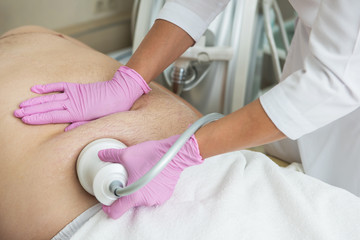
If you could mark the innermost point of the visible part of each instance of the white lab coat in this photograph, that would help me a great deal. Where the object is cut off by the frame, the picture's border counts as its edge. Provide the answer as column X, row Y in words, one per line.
column 317, row 102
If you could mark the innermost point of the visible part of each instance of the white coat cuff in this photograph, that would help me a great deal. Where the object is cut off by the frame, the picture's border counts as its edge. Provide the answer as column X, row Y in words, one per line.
column 184, row 18
column 285, row 116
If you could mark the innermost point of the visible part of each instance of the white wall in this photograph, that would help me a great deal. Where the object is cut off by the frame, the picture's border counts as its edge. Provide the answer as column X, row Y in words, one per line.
column 83, row 19
column 102, row 24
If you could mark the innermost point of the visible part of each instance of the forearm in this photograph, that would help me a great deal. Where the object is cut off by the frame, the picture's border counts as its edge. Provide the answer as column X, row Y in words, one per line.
column 248, row 127
column 164, row 43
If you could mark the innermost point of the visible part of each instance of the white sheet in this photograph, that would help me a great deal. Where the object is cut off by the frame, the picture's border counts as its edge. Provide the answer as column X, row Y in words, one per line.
column 239, row 195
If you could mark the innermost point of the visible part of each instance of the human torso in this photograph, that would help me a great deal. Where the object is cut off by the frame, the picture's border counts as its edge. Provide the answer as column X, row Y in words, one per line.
column 40, row 191
column 32, row 165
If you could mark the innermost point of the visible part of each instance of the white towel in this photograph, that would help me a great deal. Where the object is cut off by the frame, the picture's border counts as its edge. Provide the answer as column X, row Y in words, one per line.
column 238, row 195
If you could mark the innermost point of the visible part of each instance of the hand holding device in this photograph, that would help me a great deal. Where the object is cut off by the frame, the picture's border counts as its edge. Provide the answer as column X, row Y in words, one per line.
column 138, row 160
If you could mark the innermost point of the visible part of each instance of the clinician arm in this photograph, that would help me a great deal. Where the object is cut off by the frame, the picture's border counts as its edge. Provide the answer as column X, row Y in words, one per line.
column 247, row 127
column 327, row 87
column 179, row 25
column 164, row 43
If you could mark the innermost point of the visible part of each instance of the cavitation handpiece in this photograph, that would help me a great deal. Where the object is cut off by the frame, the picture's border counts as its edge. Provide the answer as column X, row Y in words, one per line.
column 96, row 176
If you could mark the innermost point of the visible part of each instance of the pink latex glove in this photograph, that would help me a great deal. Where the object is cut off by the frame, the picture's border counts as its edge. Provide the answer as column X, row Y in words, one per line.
column 83, row 102
column 138, row 160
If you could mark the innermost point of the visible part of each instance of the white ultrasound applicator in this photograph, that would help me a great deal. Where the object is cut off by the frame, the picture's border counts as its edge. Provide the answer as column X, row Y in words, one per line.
column 95, row 175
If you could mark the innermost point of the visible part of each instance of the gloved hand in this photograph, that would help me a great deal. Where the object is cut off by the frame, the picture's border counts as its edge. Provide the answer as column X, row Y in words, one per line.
column 138, row 160
column 83, row 102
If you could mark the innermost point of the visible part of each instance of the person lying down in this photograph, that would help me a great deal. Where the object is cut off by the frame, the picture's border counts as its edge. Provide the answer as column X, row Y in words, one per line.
column 238, row 195
column 40, row 190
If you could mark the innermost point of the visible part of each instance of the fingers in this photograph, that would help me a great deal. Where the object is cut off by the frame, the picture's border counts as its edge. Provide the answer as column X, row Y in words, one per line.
column 40, row 108
column 47, row 88
column 62, row 116
column 44, row 99
column 111, row 155
column 75, row 125
column 119, row 207
column 43, row 104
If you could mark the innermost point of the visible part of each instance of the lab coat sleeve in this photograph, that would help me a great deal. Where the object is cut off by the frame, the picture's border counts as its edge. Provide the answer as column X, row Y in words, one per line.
column 193, row 16
column 328, row 87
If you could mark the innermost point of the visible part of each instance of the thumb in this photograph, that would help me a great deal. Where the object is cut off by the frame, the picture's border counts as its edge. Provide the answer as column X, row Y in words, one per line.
column 119, row 207
column 110, row 155
column 48, row 88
